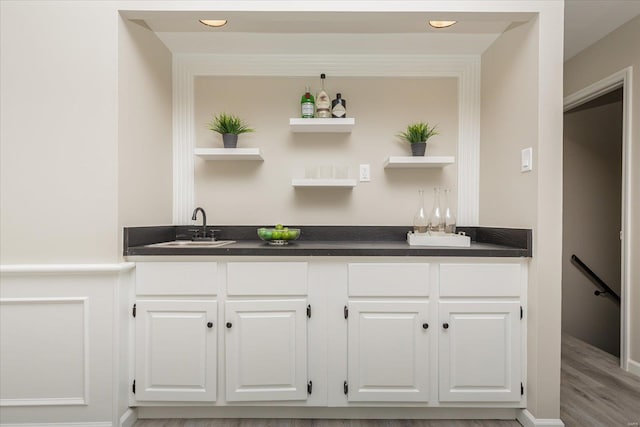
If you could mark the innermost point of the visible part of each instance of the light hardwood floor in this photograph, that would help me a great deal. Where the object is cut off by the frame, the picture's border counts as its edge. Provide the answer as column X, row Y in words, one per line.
column 594, row 392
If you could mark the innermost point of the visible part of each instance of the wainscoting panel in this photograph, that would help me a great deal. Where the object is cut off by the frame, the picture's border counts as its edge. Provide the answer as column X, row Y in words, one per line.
column 44, row 351
column 60, row 331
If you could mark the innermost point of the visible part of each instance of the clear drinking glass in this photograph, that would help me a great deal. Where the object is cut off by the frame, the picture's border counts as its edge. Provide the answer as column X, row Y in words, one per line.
column 311, row 172
column 341, row 171
column 325, row 171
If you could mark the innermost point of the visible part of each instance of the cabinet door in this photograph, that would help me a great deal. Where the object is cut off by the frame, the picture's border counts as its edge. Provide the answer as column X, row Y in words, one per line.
column 479, row 351
column 177, row 278
column 388, row 351
column 176, row 349
column 266, row 350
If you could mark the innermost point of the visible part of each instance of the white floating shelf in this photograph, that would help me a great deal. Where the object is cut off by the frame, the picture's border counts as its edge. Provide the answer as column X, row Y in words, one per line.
column 229, row 154
column 323, row 183
column 418, row 162
column 322, row 125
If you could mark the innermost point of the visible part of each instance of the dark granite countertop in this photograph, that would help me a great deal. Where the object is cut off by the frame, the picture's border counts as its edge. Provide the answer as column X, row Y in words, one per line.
column 329, row 241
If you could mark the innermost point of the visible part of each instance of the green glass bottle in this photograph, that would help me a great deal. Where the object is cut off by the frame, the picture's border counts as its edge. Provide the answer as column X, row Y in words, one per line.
column 307, row 104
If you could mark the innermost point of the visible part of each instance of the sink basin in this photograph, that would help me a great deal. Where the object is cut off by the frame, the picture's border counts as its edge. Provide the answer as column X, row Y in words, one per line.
column 192, row 244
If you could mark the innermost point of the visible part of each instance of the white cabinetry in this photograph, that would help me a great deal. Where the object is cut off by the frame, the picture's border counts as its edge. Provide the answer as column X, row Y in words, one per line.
column 388, row 351
column 404, row 333
column 247, row 279
column 266, row 350
column 479, row 351
column 266, row 331
column 388, row 338
column 176, row 278
column 480, row 332
column 176, row 330
column 176, row 347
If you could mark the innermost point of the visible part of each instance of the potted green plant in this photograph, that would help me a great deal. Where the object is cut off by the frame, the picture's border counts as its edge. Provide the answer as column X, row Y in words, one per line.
column 417, row 135
column 229, row 126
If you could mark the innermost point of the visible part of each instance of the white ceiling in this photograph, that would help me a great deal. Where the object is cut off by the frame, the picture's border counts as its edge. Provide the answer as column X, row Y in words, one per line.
column 327, row 32
column 328, row 22
column 327, row 44
column 587, row 21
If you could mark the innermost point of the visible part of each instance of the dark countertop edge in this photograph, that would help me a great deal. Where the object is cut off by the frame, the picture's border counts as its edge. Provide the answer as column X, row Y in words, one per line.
column 333, row 252
column 508, row 242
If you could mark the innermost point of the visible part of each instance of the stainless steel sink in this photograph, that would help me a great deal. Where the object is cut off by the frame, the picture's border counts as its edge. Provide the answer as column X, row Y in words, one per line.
column 192, row 244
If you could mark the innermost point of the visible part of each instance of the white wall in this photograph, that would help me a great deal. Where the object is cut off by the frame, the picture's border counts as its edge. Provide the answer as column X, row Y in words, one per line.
column 611, row 54
column 144, row 159
column 591, row 220
column 88, row 143
column 86, row 148
column 58, row 183
column 144, row 127
column 382, row 107
column 521, row 105
column 508, row 124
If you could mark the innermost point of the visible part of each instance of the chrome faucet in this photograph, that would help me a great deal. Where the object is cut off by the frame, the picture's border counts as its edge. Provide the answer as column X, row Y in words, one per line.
column 204, row 221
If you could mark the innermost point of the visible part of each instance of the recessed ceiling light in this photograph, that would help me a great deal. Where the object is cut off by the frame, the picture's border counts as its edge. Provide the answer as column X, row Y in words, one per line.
column 441, row 24
column 213, row 22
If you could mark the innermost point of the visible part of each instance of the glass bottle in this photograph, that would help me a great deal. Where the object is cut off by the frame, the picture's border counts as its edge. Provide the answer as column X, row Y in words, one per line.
column 339, row 107
column 420, row 220
column 449, row 217
column 323, row 102
column 436, row 220
column 307, row 103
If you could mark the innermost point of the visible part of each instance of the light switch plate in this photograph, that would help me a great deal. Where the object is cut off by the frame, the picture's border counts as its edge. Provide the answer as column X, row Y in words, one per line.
column 365, row 173
column 526, row 160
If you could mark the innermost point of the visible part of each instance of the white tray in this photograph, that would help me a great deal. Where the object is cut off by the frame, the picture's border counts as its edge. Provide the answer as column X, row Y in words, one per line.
column 426, row 239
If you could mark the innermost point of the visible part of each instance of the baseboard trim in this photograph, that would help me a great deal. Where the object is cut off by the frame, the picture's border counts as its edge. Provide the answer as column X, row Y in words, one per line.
column 633, row 367
column 129, row 418
column 527, row 419
column 405, row 413
column 94, row 424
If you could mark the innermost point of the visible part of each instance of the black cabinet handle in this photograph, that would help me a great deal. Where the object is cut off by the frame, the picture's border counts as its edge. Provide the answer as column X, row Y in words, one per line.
column 425, row 326
column 229, row 325
column 209, row 324
column 445, row 325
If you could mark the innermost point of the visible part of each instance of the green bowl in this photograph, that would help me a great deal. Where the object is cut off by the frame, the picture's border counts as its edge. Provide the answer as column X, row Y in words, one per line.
column 278, row 237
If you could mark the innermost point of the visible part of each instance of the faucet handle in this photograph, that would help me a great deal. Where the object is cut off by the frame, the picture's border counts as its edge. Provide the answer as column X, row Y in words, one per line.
column 213, row 233
column 195, row 232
